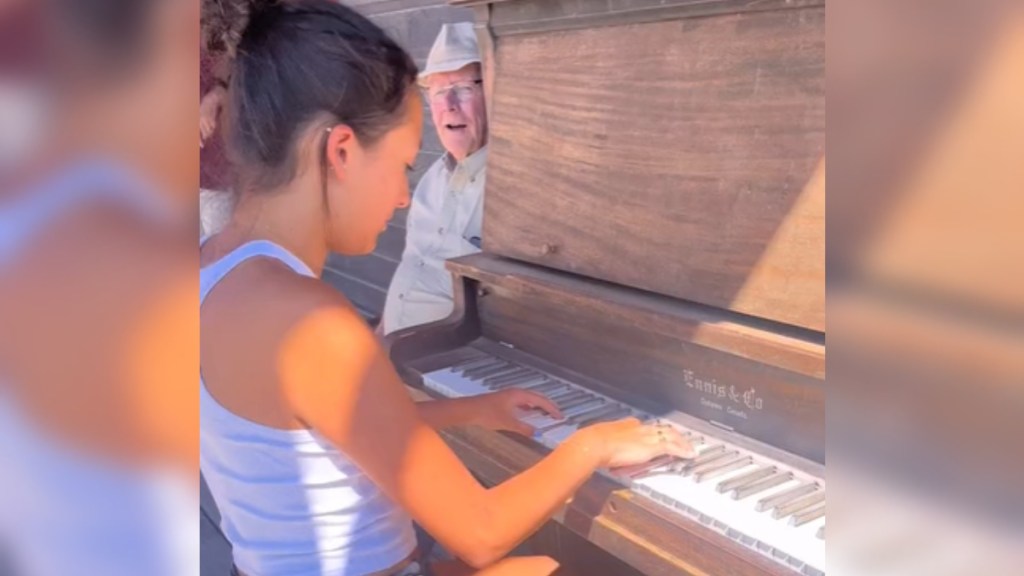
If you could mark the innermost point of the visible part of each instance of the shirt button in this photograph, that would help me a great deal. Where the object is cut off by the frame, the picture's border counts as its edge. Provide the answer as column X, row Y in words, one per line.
column 401, row 296
column 440, row 230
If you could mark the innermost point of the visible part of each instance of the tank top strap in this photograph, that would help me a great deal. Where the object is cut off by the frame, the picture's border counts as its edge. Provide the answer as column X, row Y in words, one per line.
column 210, row 276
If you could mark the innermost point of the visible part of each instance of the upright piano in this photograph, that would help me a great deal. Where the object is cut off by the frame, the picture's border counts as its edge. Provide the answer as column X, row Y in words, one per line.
column 653, row 245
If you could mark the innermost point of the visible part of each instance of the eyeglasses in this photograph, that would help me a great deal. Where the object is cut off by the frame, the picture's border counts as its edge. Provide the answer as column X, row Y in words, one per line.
column 463, row 91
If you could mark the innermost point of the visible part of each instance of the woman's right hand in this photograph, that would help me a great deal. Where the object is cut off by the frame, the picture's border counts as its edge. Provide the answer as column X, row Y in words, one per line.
column 627, row 442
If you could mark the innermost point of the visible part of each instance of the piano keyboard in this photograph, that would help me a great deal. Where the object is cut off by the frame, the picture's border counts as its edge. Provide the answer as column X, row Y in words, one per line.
column 762, row 504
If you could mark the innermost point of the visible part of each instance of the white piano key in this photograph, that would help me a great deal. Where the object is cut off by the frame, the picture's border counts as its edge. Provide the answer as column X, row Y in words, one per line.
column 703, row 500
column 797, row 546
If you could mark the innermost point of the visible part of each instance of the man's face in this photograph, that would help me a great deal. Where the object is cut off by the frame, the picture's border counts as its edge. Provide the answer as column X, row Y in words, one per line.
column 458, row 111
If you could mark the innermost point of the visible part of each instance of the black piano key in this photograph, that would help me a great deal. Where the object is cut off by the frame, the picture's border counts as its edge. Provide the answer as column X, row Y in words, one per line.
column 524, row 370
column 709, row 461
column 786, row 496
column 637, row 471
column 582, row 410
column 486, row 370
column 708, row 454
column 807, row 515
column 475, row 361
column 479, row 375
column 548, row 388
column 596, row 413
column 792, row 507
column 573, row 419
column 522, row 382
column 534, row 383
column 519, row 372
column 522, row 374
column 618, row 411
column 761, row 485
column 721, row 468
column 569, row 405
column 744, row 479
column 480, row 364
column 570, row 395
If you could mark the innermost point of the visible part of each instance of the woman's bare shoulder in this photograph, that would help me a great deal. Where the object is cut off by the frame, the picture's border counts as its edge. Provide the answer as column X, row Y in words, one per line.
column 268, row 304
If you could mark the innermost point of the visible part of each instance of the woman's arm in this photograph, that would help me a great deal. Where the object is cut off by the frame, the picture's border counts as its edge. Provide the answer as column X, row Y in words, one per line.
column 338, row 381
column 441, row 414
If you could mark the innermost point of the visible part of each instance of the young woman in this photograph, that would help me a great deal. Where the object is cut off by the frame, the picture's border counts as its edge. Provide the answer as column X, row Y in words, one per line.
column 316, row 455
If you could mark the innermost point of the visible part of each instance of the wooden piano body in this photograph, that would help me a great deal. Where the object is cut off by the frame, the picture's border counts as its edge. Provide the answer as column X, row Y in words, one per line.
column 654, row 231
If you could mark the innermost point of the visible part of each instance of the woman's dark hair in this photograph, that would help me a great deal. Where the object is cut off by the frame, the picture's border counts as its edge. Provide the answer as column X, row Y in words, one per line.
column 304, row 61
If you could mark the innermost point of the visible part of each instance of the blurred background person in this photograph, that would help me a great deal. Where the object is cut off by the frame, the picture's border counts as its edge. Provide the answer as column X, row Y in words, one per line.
column 98, row 307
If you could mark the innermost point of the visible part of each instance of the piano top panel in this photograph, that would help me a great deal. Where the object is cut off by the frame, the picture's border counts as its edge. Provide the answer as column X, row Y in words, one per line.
column 530, row 16
column 680, row 156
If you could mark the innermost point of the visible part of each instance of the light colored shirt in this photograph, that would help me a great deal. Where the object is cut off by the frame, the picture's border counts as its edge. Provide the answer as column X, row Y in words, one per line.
column 444, row 222
column 291, row 503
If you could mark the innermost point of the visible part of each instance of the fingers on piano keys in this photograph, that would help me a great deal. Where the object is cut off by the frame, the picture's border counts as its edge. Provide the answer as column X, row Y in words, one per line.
column 580, row 407
column 753, row 486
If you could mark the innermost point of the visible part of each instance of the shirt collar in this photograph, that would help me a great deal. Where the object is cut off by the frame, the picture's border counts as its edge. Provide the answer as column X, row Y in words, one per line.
column 473, row 165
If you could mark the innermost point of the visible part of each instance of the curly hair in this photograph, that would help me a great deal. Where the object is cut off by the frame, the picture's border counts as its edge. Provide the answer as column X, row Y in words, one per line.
column 224, row 21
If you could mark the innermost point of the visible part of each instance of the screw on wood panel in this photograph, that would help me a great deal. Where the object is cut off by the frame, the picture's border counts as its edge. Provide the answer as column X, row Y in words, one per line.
column 481, row 292
column 547, row 249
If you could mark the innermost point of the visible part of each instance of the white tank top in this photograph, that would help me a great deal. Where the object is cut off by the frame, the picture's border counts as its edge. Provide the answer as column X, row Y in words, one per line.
column 62, row 512
column 290, row 502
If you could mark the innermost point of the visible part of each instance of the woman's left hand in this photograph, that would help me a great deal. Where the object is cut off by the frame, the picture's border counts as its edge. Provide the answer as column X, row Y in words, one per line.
column 502, row 410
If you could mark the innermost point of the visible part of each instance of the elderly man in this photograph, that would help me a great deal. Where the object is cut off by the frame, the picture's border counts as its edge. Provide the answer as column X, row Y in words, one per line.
column 447, row 205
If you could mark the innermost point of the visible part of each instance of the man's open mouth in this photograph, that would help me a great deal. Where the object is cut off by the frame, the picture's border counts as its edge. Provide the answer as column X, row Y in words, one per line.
column 455, row 126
